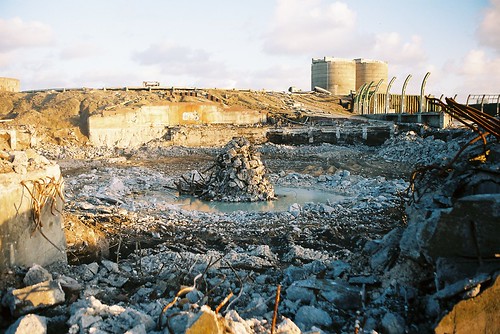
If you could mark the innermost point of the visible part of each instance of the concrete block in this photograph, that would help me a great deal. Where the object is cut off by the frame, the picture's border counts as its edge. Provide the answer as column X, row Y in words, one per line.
column 34, row 297
column 22, row 242
column 472, row 227
column 206, row 323
column 30, row 323
column 36, row 274
column 475, row 315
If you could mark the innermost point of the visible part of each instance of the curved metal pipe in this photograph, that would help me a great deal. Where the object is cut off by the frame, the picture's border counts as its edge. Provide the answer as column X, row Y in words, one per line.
column 403, row 92
column 422, row 88
column 375, row 97
column 387, row 96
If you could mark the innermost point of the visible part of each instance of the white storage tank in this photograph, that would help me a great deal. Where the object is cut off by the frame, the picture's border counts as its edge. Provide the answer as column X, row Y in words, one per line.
column 336, row 75
column 368, row 70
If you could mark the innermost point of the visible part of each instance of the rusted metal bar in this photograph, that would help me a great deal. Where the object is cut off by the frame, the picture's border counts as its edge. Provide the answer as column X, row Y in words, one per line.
column 461, row 112
column 484, row 120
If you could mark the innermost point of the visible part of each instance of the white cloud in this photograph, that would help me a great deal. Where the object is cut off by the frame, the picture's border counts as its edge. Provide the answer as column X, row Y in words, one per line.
column 78, row 51
column 5, row 59
column 277, row 77
column 477, row 73
column 489, row 29
column 309, row 27
column 175, row 59
column 16, row 33
column 390, row 47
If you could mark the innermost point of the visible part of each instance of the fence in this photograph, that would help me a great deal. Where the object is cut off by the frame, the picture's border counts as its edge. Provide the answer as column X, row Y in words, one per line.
column 489, row 104
column 380, row 103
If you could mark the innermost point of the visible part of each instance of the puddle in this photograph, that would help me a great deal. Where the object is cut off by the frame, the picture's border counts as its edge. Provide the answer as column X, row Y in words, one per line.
column 286, row 197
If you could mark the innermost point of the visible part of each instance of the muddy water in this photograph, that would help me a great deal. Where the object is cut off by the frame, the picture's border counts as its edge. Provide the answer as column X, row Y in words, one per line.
column 286, row 197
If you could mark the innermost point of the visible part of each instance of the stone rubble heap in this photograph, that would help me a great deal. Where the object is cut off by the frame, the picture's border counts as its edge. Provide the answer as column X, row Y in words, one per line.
column 411, row 148
column 343, row 267
column 21, row 162
column 238, row 175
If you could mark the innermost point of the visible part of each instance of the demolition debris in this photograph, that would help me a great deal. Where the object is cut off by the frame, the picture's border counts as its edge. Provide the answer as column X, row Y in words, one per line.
column 373, row 261
column 238, row 175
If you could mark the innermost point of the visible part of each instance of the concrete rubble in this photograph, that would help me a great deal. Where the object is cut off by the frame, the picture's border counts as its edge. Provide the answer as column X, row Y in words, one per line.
column 238, row 175
column 371, row 261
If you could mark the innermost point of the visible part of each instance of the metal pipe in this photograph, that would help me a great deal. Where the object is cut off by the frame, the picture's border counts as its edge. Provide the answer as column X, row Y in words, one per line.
column 422, row 88
column 358, row 96
column 403, row 92
column 364, row 98
column 387, row 96
column 375, row 98
column 498, row 105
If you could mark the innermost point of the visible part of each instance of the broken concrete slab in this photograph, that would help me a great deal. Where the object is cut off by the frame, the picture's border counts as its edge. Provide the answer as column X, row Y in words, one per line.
column 393, row 323
column 30, row 323
column 34, row 297
column 339, row 292
column 36, row 274
column 475, row 315
column 309, row 316
column 207, row 322
column 472, row 226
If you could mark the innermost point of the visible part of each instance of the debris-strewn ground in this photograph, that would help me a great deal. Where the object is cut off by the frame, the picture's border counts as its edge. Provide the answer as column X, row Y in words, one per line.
column 357, row 262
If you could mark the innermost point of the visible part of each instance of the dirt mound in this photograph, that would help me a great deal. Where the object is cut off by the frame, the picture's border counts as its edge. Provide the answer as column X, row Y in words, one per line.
column 60, row 117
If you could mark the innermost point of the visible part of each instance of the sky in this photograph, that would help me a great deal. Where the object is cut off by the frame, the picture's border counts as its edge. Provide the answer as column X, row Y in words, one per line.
column 257, row 44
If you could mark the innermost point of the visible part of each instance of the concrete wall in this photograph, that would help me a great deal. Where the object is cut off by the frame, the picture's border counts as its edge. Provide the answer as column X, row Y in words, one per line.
column 433, row 119
column 10, row 84
column 134, row 127
column 20, row 243
column 368, row 135
column 215, row 136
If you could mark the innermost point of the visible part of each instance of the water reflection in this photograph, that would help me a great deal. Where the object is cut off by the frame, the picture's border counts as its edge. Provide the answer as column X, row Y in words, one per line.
column 286, row 197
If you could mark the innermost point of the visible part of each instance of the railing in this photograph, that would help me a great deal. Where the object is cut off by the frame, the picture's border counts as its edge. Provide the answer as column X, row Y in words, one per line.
column 369, row 101
column 489, row 104
column 378, row 104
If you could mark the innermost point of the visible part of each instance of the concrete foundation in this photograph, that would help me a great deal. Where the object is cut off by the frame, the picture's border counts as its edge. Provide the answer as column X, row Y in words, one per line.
column 368, row 135
column 214, row 135
column 134, row 127
column 432, row 119
column 21, row 242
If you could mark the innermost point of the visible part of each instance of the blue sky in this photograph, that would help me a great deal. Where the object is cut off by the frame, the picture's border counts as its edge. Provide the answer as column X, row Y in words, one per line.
column 258, row 44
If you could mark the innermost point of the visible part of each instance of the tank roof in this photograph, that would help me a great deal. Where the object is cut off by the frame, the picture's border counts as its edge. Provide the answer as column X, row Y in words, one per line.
column 332, row 59
column 363, row 60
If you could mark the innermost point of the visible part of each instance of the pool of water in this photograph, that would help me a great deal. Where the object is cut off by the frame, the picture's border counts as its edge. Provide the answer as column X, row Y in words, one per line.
column 286, row 197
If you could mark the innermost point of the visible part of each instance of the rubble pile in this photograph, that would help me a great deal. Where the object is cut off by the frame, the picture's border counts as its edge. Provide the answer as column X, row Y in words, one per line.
column 238, row 175
column 358, row 265
column 21, row 162
column 417, row 150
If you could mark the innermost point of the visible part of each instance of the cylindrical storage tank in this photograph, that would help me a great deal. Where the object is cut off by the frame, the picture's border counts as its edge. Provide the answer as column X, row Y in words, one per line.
column 334, row 74
column 9, row 84
column 368, row 70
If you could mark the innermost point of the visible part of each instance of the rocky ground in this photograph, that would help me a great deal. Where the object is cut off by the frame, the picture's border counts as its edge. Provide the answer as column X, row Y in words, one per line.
column 364, row 260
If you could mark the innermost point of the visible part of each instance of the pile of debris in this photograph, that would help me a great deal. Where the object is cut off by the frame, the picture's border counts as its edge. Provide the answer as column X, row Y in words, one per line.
column 238, row 175
column 21, row 162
